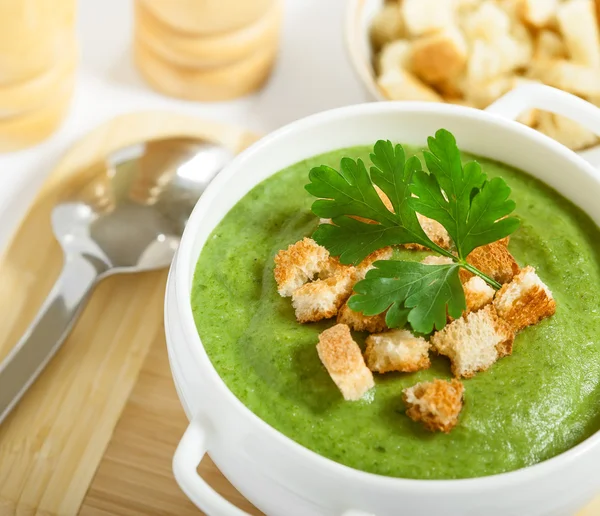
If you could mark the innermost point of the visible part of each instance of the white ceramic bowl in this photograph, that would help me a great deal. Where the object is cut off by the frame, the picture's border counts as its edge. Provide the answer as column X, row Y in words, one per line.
column 283, row 478
column 359, row 15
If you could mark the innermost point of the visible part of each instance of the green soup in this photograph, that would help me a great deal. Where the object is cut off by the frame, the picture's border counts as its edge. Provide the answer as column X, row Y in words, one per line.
column 528, row 407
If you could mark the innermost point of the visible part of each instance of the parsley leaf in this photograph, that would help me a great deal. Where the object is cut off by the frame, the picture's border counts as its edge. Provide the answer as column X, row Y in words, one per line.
column 410, row 291
column 351, row 193
column 472, row 209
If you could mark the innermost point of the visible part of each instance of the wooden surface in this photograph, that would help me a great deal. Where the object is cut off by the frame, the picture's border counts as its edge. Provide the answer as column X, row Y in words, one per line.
column 51, row 445
column 96, row 433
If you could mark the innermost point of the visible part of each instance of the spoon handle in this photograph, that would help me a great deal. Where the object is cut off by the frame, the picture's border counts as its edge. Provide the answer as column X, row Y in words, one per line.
column 49, row 329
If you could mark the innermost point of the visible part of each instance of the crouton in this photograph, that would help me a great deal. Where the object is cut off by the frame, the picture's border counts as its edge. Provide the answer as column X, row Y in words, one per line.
column 436, row 260
column 487, row 22
column 425, row 16
column 387, row 25
column 402, row 85
column 394, row 56
column 434, row 230
column 321, row 299
column 494, row 260
column 385, row 253
column 566, row 131
column 578, row 25
column 481, row 95
column 396, row 350
column 502, row 56
column 299, row 263
column 524, row 301
column 522, row 46
column 484, row 63
column 439, row 57
column 359, row 322
column 538, row 13
column 477, row 293
column 333, row 267
column 475, row 342
column 571, row 77
column 466, row 6
column 548, row 46
column 344, row 362
column 436, row 404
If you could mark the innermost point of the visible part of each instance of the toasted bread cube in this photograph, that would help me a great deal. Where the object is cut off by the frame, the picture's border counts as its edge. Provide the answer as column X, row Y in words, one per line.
column 466, row 6
column 439, row 57
column 321, row 299
column 477, row 293
column 424, row 16
column 333, row 267
column 568, row 76
column 494, row 260
column 387, row 25
column 578, row 24
column 357, row 321
column 436, row 260
column 436, row 404
column 396, row 350
column 520, row 48
column 299, row 263
column 475, row 342
column 481, row 95
column 487, row 22
column 402, row 85
column 385, row 253
column 524, row 301
column 566, row 131
column 548, row 46
column 492, row 59
column 344, row 362
column 395, row 55
column 538, row 13
column 434, row 230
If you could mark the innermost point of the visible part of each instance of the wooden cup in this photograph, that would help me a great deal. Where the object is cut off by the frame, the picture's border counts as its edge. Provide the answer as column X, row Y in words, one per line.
column 188, row 50
column 22, row 97
column 34, row 36
column 208, row 84
column 29, row 128
column 207, row 16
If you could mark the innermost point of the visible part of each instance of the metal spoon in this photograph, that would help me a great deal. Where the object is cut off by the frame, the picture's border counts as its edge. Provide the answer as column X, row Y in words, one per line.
column 123, row 215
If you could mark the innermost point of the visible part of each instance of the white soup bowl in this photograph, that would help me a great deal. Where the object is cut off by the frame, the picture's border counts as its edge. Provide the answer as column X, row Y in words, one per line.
column 282, row 477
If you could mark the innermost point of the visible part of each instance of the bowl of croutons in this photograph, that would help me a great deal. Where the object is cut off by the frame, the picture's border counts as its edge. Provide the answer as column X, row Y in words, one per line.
column 471, row 52
column 392, row 308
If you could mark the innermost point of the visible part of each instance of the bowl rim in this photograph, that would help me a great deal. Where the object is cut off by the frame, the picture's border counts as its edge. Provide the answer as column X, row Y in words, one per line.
column 362, row 67
column 184, row 312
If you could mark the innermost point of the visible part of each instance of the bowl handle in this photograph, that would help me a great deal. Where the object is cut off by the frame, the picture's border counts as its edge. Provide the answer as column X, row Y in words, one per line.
column 546, row 98
column 190, row 451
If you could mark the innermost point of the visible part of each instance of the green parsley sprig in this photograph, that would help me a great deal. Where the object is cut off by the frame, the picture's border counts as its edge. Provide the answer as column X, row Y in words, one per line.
column 473, row 209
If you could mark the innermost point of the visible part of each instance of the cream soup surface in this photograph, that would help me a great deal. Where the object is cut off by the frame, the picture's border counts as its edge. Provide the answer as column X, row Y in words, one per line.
column 528, row 407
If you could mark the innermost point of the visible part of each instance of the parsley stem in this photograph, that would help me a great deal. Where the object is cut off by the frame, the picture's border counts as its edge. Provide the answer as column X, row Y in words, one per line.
column 477, row 272
column 465, row 265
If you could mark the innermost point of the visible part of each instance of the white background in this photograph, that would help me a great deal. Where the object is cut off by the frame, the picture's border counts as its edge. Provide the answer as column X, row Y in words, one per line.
column 312, row 74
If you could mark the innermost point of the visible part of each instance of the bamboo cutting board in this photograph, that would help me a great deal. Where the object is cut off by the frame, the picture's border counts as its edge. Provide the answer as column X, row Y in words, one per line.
column 96, row 433
column 51, row 445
